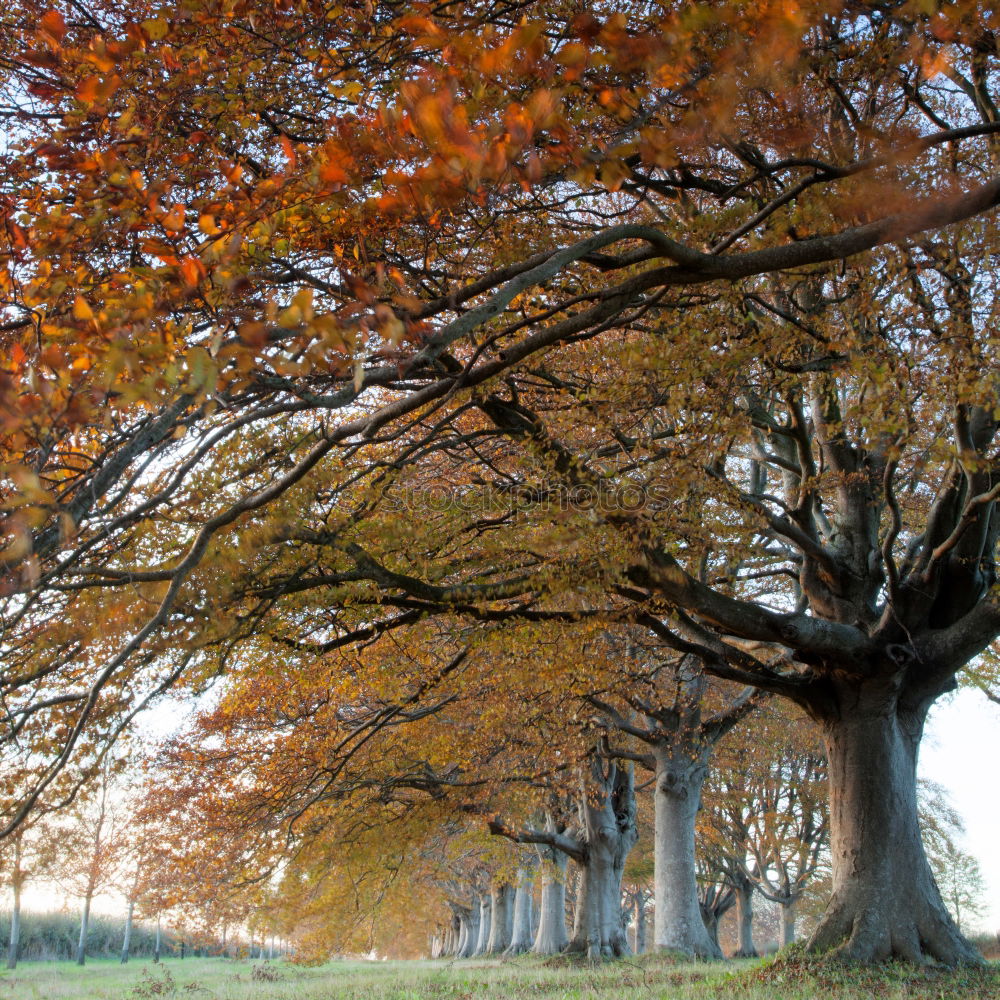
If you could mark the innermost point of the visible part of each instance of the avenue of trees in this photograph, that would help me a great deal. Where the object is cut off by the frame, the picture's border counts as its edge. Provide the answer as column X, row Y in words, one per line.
column 549, row 452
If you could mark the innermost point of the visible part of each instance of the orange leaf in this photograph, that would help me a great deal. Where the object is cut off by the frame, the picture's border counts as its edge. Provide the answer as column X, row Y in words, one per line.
column 173, row 221
column 86, row 90
column 81, row 310
column 53, row 25
column 208, row 225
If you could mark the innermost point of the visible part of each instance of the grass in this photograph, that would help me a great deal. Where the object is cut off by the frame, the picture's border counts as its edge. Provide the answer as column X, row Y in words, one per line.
column 648, row 978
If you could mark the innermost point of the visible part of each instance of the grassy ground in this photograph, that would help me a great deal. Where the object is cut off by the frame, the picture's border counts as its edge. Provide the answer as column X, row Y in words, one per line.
column 523, row 979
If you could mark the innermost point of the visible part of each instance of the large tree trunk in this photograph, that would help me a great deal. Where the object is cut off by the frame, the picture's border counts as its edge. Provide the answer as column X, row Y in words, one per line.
column 521, row 938
column 81, row 948
column 15, row 926
column 677, row 920
column 471, row 931
column 551, row 937
column 745, row 947
column 128, row 931
column 501, row 919
column 610, row 832
column 485, row 925
column 885, row 902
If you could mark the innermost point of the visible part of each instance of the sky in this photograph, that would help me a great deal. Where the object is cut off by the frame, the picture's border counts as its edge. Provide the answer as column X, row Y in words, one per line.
column 961, row 751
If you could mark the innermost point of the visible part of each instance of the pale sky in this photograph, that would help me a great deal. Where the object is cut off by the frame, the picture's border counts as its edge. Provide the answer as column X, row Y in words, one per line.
column 961, row 752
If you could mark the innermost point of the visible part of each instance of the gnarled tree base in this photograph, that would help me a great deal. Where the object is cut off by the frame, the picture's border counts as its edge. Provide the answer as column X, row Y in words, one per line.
column 912, row 927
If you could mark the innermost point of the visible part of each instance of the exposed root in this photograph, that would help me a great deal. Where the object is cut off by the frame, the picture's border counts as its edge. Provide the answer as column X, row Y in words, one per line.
column 867, row 935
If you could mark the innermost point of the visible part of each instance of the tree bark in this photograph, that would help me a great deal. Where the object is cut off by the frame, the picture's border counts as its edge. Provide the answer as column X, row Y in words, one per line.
column 471, row 929
column 502, row 919
column 551, row 937
column 677, row 920
column 15, row 926
column 485, row 924
column 81, row 949
column 159, row 941
column 128, row 932
column 521, row 938
column 885, row 901
column 640, row 924
column 610, row 832
column 745, row 947
column 788, row 922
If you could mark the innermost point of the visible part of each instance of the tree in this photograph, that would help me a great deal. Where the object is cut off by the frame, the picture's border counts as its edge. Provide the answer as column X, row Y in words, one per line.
column 681, row 731
column 200, row 296
column 787, row 834
column 29, row 853
column 92, row 851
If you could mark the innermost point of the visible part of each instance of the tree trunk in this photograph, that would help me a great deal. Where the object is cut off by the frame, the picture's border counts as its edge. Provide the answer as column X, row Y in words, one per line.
column 502, row 919
column 711, row 919
column 485, row 925
column 677, row 919
column 520, row 938
column 81, row 948
column 745, row 947
column 640, row 924
column 551, row 937
column 128, row 931
column 885, row 902
column 788, row 922
column 471, row 932
column 714, row 904
column 15, row 927
column 159, row 941
column 610, row 832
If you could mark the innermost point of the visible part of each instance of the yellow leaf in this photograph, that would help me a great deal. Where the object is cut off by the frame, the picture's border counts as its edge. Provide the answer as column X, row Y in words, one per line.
column 81, row 310
column 156, row 28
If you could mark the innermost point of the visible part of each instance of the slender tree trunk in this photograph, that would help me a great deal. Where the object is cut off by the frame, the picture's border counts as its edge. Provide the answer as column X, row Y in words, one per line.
column 128, row 931
column 157, row 948
column 485, row 924
column 81, row 948
column 640, row 924
column 788, row 922
column 502, row 919
column 745, row 947
column 521, row 938
column 885, row 901
column 551, row 937
column 15, row 926
column 677, row 920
